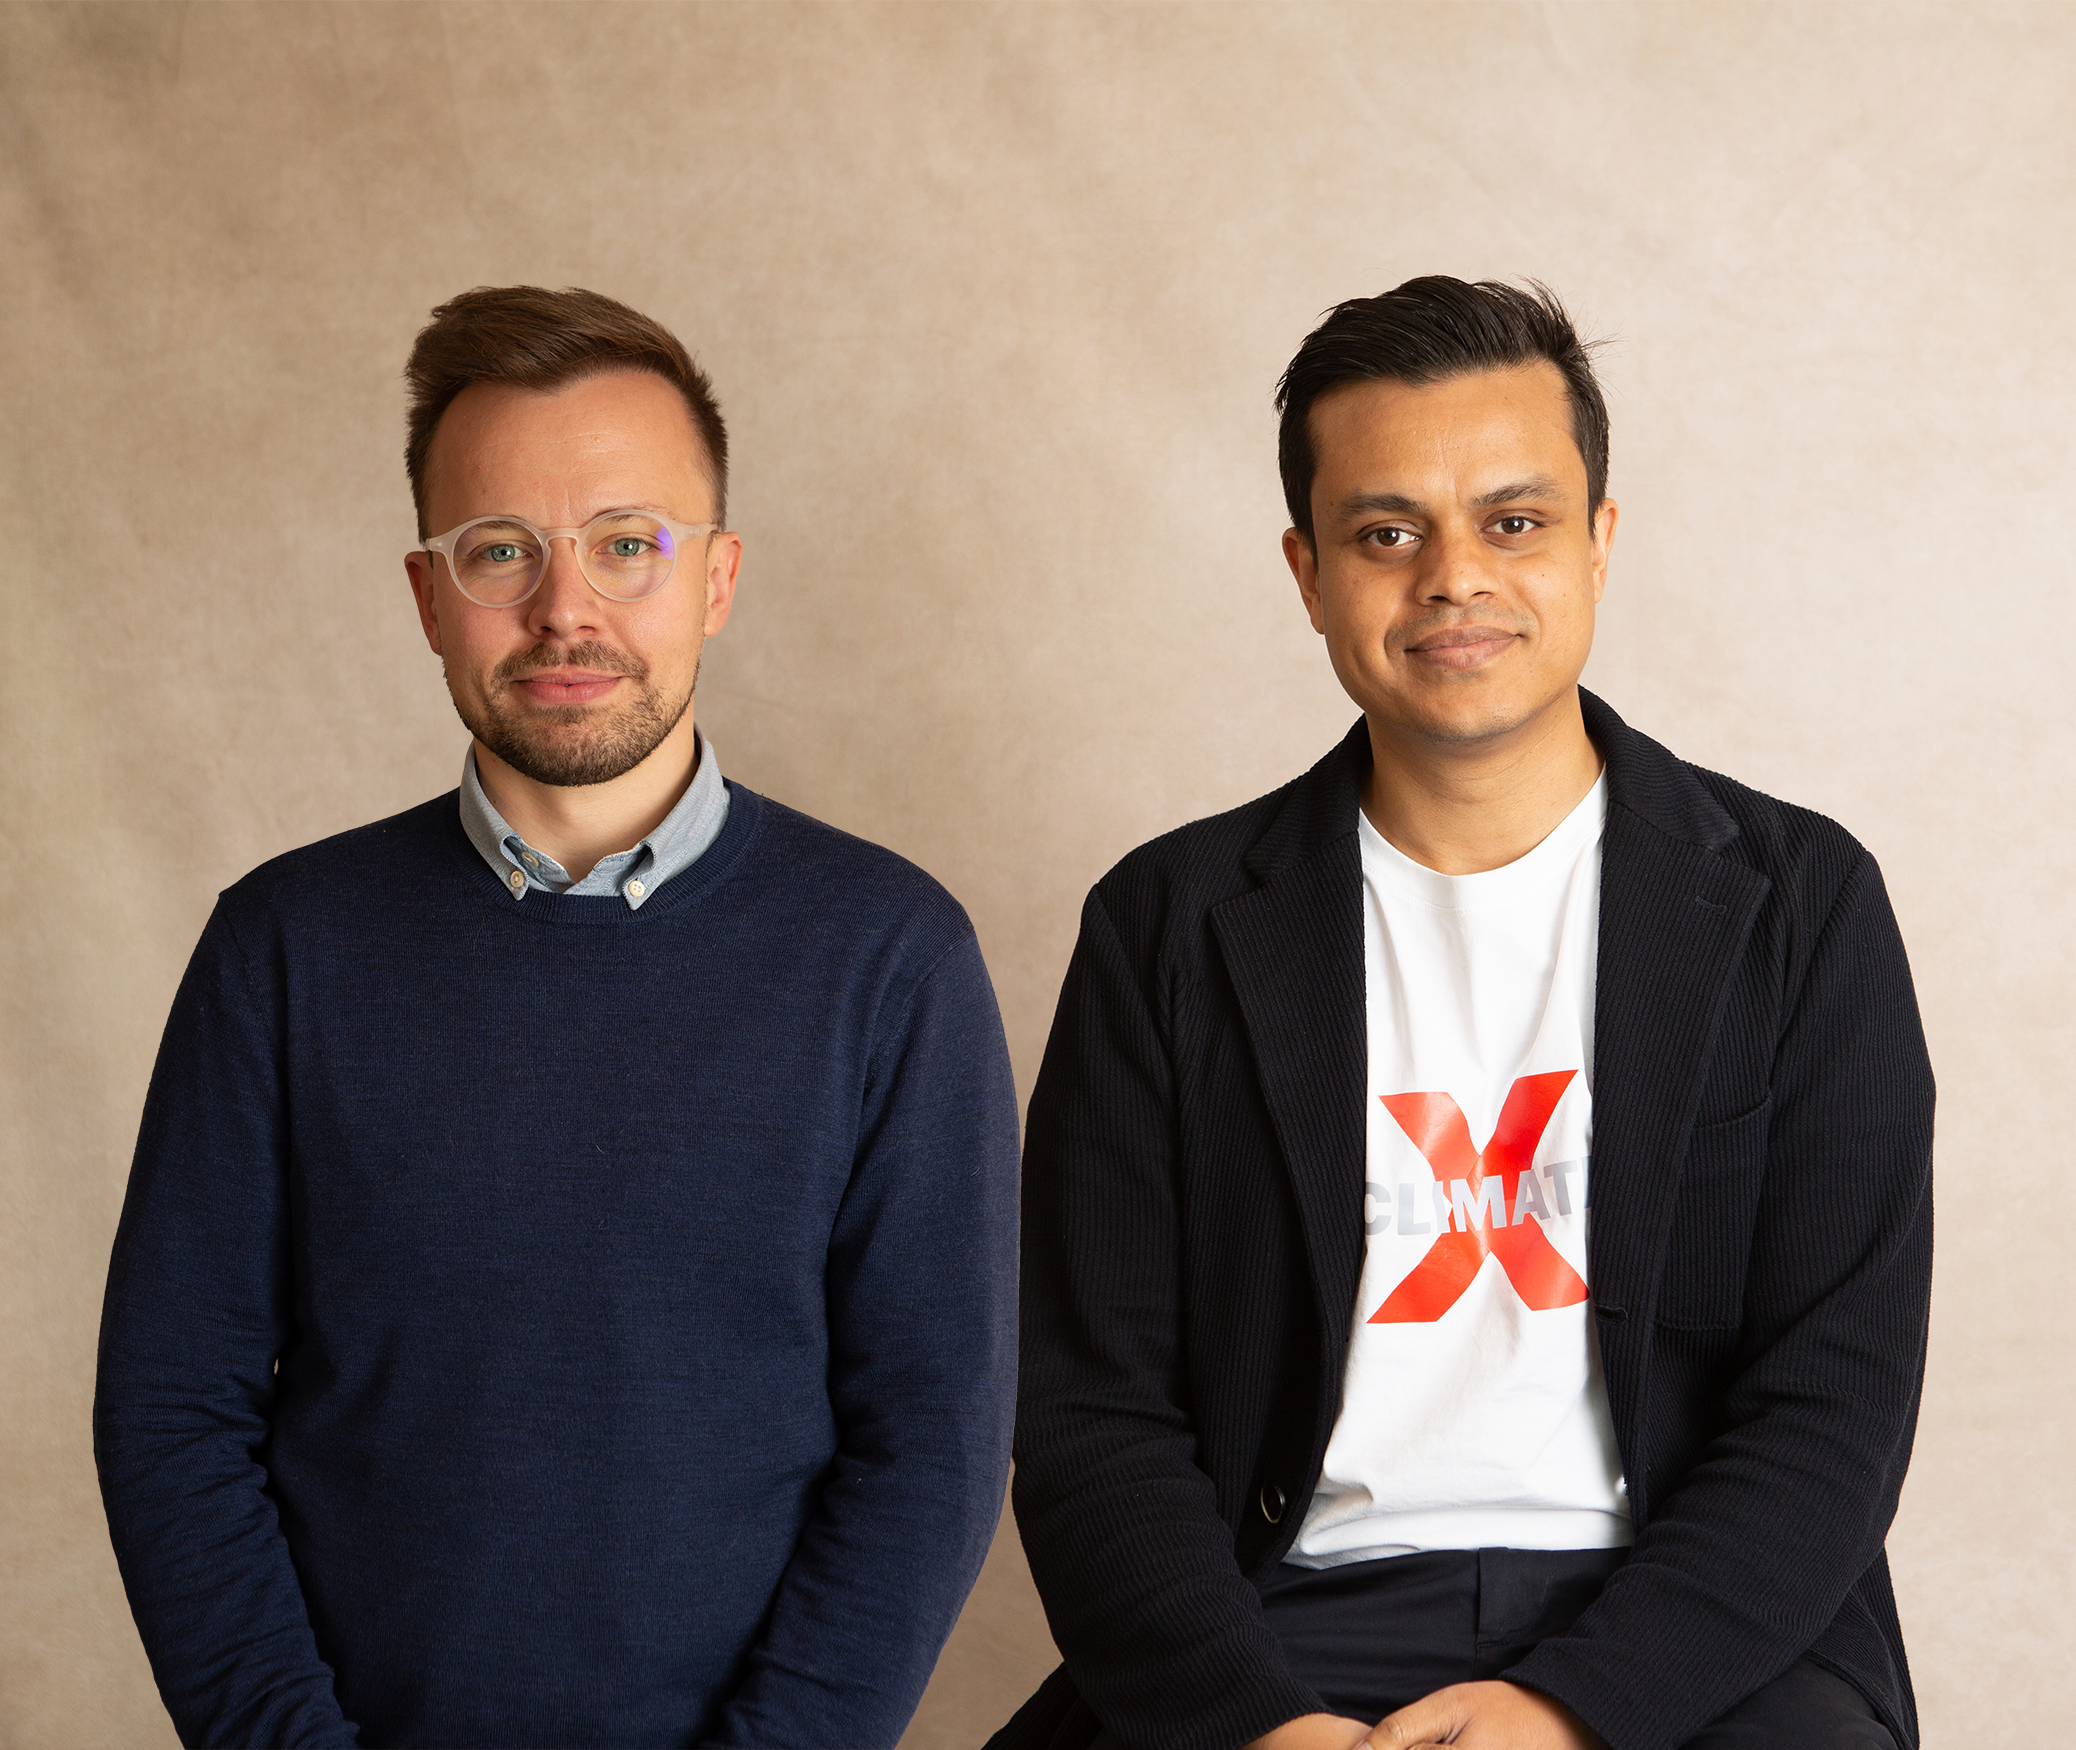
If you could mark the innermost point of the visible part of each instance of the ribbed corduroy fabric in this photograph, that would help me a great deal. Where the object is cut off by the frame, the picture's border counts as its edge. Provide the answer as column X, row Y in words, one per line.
column 642, row 1284
column 1760, row 1246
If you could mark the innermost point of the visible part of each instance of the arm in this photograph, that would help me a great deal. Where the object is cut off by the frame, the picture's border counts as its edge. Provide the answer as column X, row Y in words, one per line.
column 198, row 1308
column 1750, row 1556
column 1162, row 1632
column 921, row 1296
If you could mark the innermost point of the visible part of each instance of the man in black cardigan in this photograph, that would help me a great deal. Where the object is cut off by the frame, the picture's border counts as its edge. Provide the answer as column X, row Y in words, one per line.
column 1267, row 1424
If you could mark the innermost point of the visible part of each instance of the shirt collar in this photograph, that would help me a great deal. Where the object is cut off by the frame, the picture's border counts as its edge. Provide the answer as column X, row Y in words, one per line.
column 680, row 839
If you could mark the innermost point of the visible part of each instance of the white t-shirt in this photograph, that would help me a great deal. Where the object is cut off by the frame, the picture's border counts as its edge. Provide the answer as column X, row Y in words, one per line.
column 1473, row 1412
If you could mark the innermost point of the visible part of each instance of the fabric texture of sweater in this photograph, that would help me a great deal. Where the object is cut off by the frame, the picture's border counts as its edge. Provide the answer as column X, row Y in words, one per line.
column 641, row 1285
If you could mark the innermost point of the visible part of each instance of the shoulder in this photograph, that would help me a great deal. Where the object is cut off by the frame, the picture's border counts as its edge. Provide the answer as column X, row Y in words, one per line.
column 1822, row 882
column 1191, row 868
column 1796, row 848
column 848, row 881
column 1807, row 858
column 1173, row 882
column 366, row 859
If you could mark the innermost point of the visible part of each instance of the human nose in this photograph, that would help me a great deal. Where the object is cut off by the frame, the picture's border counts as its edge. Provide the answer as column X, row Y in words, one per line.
column 1458, row 567
column 564, row 602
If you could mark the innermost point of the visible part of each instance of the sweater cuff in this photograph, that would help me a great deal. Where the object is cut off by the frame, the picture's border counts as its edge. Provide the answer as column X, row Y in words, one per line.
column 1602, row 1699
column 1245, row 1718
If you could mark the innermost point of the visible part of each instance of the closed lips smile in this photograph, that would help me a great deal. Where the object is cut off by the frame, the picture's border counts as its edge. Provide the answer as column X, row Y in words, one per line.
column 568, row 686
column 1461, row 646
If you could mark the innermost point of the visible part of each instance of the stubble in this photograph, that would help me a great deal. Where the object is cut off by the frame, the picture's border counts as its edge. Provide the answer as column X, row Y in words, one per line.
column 571, row 745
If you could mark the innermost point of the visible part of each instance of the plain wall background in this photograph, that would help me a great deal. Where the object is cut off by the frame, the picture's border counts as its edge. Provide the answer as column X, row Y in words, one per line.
column 995, row 297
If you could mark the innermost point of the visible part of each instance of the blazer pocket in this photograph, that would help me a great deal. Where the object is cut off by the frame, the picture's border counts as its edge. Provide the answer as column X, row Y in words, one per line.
column 1710, row 1244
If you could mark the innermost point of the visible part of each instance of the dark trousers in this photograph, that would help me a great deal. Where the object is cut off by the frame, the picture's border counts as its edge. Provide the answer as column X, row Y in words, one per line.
column 1372, row 1637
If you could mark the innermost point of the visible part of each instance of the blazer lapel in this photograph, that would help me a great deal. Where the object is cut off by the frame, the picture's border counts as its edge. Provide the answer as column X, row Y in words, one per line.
column 1674, row 917
column 1293, row 950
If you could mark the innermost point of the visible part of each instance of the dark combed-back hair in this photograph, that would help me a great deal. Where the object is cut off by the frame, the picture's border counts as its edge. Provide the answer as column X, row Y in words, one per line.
column 1422, row 332
column 533, row 338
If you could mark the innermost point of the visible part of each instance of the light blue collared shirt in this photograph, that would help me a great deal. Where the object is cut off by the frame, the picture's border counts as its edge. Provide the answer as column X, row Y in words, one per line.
column 679, row 841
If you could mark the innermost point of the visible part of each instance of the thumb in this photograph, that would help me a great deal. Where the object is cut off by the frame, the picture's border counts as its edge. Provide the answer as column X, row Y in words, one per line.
column 1434, row 1719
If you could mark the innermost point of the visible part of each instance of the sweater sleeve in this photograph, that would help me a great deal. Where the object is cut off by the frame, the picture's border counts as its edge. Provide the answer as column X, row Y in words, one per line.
column 1749, row 1558
column 921, row 1295
column 198, row 1307
column 1162, row 1632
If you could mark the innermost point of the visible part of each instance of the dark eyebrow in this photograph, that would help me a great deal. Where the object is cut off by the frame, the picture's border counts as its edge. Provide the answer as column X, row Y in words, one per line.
column 1388, row 503
column 1531, row 487
column 1537, row 486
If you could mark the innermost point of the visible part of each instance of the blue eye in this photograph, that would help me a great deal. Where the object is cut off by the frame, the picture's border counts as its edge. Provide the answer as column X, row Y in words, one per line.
column 501, row 553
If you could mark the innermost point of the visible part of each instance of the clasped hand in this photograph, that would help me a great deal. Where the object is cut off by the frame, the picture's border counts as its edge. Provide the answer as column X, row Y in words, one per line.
column 1470, row 1716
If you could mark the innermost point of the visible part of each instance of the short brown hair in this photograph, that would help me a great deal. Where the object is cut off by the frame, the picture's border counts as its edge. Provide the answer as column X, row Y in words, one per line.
column 533, row 338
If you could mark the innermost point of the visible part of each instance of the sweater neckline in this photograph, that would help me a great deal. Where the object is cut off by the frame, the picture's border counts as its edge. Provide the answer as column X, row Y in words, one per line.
column 610, row 911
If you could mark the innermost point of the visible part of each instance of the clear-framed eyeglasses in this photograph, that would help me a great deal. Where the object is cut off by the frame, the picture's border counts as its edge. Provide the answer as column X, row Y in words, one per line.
column 498, row 561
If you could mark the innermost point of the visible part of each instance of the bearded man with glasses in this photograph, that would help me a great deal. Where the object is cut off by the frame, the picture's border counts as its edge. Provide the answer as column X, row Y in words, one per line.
column 566, row 1289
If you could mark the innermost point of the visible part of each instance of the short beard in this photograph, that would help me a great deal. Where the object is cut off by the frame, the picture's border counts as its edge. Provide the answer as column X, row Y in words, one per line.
column 610, row 749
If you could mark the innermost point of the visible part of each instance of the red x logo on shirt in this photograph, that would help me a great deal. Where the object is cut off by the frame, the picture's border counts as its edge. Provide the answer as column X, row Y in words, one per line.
column 1536, row 1268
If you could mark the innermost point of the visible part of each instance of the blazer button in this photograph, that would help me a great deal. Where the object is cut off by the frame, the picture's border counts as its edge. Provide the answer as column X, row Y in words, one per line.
column 1273, row 1501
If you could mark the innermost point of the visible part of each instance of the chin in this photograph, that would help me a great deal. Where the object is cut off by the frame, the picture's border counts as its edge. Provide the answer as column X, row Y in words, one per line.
column 1466, row 722
column 574, row 765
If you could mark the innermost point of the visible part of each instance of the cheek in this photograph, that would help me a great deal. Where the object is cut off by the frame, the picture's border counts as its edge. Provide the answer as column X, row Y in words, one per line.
column 1355, row 618
column 1564, row 607
column 686, row 626
column 666, row 641
column 471, row 646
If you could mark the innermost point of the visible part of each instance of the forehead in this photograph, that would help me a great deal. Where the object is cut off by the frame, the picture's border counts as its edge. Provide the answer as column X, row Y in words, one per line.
column 623, row 437
column 1463, row 428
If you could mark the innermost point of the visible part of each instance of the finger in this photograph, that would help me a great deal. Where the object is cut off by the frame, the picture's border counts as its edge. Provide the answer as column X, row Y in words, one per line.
column 1434, row 1719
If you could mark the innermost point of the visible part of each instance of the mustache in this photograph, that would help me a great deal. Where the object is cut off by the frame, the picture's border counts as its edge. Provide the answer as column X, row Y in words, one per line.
column 601, row 657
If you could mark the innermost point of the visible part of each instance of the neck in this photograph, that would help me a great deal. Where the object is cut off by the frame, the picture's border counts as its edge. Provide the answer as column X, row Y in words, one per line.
column 1462, row 808
column 579, row 824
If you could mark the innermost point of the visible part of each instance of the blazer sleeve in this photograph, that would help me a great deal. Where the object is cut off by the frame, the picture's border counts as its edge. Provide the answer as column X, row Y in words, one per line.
column 921, row 1294
column 1163, row 1635
column 197, row 1309
column 1749, row 1556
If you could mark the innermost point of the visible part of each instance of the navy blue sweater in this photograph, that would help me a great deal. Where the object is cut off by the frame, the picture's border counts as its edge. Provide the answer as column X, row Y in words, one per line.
column 641, row 1284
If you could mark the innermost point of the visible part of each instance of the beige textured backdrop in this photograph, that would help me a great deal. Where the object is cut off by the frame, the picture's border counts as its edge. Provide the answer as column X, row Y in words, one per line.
column 995, row 297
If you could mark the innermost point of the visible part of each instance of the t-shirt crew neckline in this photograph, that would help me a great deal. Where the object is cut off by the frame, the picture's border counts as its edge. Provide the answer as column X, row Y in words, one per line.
column 1473, row 1413
column 609, row 910
column 1489, row 889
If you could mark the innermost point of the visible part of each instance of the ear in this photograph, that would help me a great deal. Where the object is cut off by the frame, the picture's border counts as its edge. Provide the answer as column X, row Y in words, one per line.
column 1604, row 520
column 1304, row 566
column 419, row 568
column 723, row 562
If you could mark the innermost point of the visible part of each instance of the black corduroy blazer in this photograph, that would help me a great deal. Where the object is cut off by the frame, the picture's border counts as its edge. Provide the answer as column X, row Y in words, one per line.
column 1759, row 1256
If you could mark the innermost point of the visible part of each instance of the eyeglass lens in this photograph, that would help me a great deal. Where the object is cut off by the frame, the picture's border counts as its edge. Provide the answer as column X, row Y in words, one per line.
column 625, row 555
